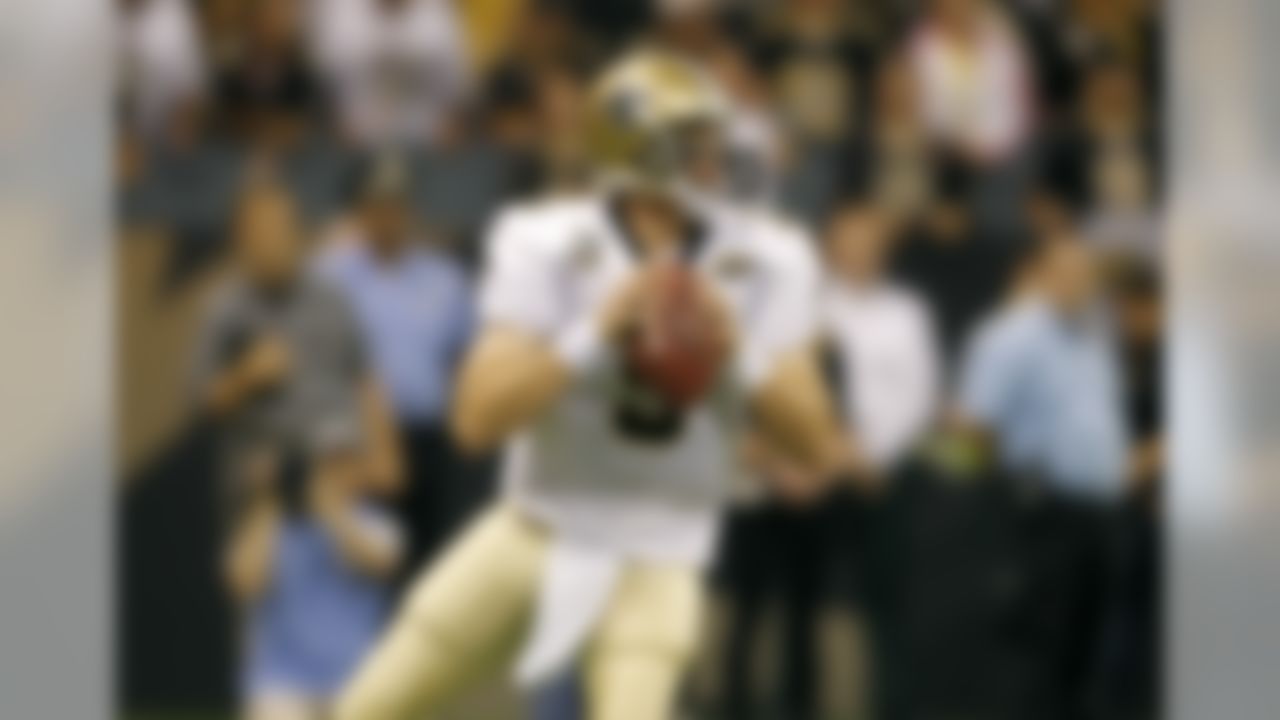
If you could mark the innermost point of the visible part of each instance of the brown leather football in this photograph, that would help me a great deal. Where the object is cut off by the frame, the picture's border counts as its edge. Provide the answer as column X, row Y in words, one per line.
column 676, row 347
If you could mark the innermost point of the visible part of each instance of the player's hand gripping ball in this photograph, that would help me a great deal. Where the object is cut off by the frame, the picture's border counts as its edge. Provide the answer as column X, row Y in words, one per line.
column 681, row 335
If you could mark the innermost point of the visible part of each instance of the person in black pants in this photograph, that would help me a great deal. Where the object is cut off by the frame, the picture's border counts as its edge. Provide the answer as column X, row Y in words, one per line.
column 775, row 551
column 1040, row 394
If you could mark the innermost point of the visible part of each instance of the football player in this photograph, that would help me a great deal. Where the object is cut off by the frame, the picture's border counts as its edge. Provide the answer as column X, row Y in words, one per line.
column 630, row 336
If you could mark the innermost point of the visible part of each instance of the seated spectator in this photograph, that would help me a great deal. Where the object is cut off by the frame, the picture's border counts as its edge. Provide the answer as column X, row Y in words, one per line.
column 186, row 187
column 1083, row 32
column 819, row 57
column 268, row 88
column 317, row 172
column 397, row 69
column 459, row 180
column 894, row 161
column 552, row 32
column 754, row 140
column 882, row 334
column 818, row 61
column 535, row 117
column 270, row 103
column 1108, row 162
column 692, row 28
column 413, row 305
column 1042, row 392
column 266, row 98
column 158, row 59
column 974, row 79
column 960, row 274
column 222, row 31
column 535, row 93
column 271, row 106
column 315, row 169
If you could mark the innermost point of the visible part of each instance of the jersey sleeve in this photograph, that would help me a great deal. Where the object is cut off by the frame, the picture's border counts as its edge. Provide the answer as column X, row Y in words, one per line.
column 517, row 287
column 788, row 316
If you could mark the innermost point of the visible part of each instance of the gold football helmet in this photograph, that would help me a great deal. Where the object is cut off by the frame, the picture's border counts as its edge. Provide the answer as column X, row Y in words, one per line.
column 653, row 122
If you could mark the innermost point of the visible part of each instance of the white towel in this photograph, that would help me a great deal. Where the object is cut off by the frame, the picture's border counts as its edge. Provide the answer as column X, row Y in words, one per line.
column 577, row 585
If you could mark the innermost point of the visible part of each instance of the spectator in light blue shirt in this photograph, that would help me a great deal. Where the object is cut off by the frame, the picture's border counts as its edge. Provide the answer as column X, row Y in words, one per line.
column 413, row 303
column 1042, row 378
column 1042, row 386
column 310, row 560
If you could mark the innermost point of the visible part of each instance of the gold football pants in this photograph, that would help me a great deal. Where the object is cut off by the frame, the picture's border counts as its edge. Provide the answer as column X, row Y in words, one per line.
column 467, row 617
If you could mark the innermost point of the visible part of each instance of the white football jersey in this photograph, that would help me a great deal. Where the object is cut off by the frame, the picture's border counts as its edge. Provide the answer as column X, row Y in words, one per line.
column 595, row 471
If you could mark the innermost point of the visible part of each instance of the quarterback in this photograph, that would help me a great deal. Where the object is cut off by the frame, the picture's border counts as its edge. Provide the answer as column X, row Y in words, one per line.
column 620, row 440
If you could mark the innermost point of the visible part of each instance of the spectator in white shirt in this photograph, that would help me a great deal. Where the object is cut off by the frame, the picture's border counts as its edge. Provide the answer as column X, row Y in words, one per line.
column 398, row 68
column 882, row 336
column 974, row 79
column 159, row 59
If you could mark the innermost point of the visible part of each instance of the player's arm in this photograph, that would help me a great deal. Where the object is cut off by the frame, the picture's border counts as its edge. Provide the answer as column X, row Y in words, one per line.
column 513, row 373
column 507, row 379
column 780, row 362
column 528, row 350
column 792, row 409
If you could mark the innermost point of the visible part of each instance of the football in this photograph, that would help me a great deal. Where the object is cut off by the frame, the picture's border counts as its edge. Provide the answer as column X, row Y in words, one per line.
column 677, row 347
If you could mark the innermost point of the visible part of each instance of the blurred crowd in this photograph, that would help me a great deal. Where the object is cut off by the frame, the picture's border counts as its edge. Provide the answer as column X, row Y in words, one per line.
column 982, row 178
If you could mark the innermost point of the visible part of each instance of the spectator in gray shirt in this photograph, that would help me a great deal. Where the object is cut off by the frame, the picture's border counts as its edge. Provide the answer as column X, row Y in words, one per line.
column 280, row 361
